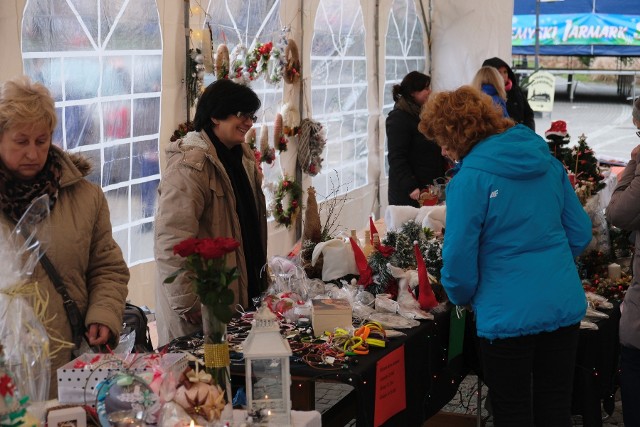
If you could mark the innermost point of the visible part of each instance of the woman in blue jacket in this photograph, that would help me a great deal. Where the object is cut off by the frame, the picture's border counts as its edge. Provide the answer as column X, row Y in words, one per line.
column 514, row 226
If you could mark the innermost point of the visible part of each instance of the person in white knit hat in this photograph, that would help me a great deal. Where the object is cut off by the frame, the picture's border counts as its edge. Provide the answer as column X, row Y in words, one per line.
column 624, row 212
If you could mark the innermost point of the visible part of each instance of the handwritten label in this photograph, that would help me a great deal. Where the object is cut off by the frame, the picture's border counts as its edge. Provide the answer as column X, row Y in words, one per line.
column 391, row 396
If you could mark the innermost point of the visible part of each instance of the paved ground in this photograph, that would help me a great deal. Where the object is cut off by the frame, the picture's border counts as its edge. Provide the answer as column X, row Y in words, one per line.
column 598, row 112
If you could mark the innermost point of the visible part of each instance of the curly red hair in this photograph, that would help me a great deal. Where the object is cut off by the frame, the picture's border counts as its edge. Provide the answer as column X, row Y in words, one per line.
column 457, row 120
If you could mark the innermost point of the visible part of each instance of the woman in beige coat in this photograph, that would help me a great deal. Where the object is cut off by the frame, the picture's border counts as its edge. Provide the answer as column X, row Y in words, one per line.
column 211, row 187
column 80, row 243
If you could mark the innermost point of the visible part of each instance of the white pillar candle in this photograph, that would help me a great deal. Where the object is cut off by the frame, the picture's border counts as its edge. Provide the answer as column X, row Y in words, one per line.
column 614, row 271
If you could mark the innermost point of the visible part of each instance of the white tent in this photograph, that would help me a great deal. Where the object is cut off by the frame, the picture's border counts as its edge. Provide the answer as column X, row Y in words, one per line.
column 117, row 71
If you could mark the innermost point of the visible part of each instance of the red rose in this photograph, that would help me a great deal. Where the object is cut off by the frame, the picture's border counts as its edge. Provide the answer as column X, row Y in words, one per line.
column 216, row 248
column 186, row 247
column 207, row 249
column 227, row 244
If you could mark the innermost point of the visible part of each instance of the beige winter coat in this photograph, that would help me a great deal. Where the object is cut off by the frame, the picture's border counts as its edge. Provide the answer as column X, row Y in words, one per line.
column 196, row 199
column 88, row 260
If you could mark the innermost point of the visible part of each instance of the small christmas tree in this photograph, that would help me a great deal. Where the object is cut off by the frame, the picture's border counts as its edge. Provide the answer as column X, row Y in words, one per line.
column 584, row 164
column 557, row 139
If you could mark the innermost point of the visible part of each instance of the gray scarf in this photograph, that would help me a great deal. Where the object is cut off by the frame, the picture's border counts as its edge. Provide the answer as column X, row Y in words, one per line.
column 408, row 106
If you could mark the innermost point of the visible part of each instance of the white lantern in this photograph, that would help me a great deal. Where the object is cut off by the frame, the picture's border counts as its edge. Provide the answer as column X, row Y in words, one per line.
column 267, row 375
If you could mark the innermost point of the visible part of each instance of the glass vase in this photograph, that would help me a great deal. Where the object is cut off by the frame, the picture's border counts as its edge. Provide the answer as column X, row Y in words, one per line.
column 216, row 356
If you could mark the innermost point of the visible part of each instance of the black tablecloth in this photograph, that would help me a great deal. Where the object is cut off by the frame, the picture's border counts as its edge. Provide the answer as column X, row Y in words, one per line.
column 431, row 381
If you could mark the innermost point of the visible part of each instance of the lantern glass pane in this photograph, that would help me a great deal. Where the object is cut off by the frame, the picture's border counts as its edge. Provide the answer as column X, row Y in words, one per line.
column 268, row 384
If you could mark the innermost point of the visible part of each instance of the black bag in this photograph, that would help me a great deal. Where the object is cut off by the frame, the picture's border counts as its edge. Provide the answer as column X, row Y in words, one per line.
column 135, row 319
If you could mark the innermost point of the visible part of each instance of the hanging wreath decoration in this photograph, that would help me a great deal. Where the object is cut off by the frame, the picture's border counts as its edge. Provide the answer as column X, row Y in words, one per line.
column 267, row 152
column 195, row 78
column 257, row 60
column 238, row 71
column 277, row 61
column 312, row 140
column 278, row 134
column 250, row 139
column 291, row 190
column 222, row 62
column 292, row 70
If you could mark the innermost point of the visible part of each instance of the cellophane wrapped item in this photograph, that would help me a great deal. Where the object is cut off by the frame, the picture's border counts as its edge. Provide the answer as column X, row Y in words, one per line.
column 25, row 339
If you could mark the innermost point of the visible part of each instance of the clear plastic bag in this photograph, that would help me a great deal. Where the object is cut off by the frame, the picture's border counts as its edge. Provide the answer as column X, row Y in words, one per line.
column 25, row 339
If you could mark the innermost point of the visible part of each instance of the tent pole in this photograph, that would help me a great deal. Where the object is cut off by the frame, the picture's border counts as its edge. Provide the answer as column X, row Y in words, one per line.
column 537, row 33
column 186, row 52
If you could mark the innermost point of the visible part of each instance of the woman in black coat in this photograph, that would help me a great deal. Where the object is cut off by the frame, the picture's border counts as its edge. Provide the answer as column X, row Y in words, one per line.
column 517, row 105
column 414, row 161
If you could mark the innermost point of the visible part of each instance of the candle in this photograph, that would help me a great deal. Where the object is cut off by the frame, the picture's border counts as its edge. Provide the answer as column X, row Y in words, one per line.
column 614, row 271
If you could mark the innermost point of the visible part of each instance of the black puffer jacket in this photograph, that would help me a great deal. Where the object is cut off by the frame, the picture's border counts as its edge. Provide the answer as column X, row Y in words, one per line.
column 517, row 105
column 414, row 161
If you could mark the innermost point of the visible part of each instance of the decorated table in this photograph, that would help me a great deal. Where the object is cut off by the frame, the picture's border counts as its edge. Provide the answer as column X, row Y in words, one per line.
column 404, row 383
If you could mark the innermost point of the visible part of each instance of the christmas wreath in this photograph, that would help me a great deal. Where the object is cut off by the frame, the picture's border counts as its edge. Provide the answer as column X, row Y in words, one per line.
column 312, row 141
column 277, row 61
column 258, row 59
column 195, row 79
column 287, row 188
column 292, row 69
column 222, row 62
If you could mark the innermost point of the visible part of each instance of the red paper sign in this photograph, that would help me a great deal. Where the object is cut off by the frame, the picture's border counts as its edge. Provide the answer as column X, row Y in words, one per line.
column 391, row 396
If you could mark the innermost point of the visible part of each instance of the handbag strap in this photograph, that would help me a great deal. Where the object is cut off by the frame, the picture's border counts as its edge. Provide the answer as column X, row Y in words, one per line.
column 56, row 279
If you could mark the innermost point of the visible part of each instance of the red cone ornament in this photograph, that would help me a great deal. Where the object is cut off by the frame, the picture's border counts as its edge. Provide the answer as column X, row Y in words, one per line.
column 426, row 297
column 372, row 228
column 366, row 273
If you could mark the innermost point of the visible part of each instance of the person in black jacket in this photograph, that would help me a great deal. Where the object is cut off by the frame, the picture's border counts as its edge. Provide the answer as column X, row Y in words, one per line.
column 517, row 105
column 414, row 161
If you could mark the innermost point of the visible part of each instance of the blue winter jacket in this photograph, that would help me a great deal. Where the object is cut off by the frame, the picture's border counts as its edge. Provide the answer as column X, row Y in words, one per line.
column 514, row 226
column 493, row 93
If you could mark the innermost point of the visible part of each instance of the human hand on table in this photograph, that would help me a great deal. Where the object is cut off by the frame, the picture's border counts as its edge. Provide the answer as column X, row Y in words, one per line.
column 98, row 334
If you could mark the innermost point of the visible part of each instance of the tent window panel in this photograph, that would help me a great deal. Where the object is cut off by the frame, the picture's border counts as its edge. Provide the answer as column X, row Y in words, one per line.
column 135, row 29
column 81, row 77
column 122, row 238
column 339, row 83
column 349, row 150
column 143, row 199
column 58, row 135
column 144, row 161
column 141, row 243
column 117, row 119
column 361, row 174
column 146, row 72
column 95, row 158
column 145, row 117
column 117, row 200
column 116, row 75
column 47, row 72
column 82, row 125
column 360, row 70
column 116, row 167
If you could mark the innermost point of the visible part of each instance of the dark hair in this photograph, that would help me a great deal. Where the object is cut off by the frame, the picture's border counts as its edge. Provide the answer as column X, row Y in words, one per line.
column 221, row 99
column 415, row 81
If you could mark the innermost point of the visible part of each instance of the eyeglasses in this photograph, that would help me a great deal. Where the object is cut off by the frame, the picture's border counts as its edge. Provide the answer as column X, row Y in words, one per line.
column 638, row 133
column 245, row 116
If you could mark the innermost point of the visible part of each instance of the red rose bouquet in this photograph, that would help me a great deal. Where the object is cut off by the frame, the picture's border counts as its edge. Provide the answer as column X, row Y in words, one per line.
column 210, row 276
column 206, row 262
